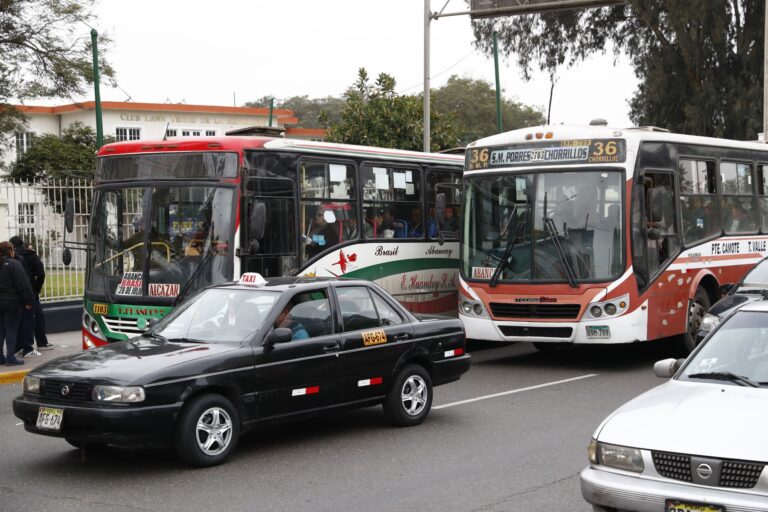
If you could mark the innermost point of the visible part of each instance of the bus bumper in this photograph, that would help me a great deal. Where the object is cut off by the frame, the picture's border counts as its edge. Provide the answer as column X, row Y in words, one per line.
column 627, row 328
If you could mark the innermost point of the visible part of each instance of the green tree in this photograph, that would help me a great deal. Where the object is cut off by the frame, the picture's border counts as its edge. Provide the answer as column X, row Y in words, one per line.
column 45, row 51
column 71, row 155
column 374, row 115
column 473, row 102
column 699, row 62
column 311, row 112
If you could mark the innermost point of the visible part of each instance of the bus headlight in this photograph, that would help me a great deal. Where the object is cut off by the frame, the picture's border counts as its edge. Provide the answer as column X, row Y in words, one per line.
column 472, row 308
column 620, row 457
column 607, row 309
column 123, row 394
column 92, row 326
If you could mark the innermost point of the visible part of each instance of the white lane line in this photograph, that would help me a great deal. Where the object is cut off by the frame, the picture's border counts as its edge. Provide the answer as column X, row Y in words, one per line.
column 19, row 423
column 513, row 391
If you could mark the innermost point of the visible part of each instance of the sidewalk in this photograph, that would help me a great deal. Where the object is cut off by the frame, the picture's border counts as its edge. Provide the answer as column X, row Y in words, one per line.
column 66, row 343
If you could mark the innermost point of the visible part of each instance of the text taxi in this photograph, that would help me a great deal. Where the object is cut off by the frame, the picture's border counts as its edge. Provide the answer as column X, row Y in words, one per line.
column 241, row 353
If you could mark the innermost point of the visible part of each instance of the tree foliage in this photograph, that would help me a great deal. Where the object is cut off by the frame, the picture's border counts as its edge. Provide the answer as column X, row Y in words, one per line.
column 311, row 112
column 375, row 115
column 473, row 103
column 71, row 155
column 45, row 47
column 699, row 62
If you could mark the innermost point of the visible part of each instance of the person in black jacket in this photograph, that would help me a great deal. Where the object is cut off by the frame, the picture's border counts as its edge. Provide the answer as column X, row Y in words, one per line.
column 34, row 321
column 15, row 295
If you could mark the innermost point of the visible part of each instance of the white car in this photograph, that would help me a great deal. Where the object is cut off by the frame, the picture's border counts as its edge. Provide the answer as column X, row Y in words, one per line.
column 698, row 443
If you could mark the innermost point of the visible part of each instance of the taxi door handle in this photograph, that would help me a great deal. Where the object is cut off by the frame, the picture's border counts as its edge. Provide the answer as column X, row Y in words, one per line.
column 331, row 347
column 402, row 336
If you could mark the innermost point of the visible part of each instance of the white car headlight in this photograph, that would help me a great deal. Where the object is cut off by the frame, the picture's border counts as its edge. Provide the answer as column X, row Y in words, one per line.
column 124, row 394
column 709, row 322
column 31, row 385
column 620, row 457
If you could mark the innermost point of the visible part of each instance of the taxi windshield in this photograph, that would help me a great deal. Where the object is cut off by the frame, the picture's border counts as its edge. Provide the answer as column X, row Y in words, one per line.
column 737, row 352
column 219, row 315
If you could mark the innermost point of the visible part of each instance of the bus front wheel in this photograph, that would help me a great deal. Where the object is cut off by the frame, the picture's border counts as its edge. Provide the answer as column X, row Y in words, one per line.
column 698, row 307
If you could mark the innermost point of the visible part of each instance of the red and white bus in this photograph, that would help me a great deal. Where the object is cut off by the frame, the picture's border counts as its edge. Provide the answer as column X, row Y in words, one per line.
column 172, row 216
column 575, row 234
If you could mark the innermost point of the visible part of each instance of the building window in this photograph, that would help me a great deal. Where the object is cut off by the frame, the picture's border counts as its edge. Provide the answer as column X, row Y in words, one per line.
column 23, row 142
column 171, row 132
column 210, row 133
column 190, row 133
column 122, row 134
column 26, row 221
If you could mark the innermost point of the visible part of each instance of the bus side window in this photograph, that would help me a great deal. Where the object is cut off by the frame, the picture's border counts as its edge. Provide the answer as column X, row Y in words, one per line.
column 441, row 181
column 657, row 234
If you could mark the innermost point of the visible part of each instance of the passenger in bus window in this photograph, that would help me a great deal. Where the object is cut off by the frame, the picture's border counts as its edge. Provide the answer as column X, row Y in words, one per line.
column 449, row 224
column 322, row 232
column 417, row 225
column 736, row 219
column 351, row 229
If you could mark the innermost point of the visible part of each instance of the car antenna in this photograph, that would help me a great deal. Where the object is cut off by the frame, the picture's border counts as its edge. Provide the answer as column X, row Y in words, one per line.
column 165, row 133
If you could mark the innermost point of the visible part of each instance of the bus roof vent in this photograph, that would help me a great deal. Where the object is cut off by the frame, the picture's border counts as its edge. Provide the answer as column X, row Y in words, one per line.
column 598, row 122
column 649, row 129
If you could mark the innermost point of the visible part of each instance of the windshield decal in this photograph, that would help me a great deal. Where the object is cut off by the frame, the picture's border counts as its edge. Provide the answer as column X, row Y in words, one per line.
column 130, row 284
column 164, row 289
column 482, row 272
column 585, row 151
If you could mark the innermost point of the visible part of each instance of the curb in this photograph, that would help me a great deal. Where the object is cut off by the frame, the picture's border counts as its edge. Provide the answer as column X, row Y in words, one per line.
column 13, row 377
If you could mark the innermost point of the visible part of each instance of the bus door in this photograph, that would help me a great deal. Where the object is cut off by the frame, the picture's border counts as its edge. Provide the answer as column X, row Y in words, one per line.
column 656, row 243
column 270, row 199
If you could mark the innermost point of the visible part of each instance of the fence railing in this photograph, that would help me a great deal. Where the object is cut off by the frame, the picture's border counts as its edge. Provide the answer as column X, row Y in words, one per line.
column 35, row 211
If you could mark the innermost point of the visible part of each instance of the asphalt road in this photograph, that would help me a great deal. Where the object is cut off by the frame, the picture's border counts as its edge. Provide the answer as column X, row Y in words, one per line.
column 521, row 449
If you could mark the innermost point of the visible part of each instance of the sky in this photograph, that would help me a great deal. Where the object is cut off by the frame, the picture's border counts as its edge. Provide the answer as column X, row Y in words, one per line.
column 230, row 51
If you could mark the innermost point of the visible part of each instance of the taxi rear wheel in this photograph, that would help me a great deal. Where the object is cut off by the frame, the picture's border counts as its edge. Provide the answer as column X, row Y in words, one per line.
column 410, row 399
column 207, row 430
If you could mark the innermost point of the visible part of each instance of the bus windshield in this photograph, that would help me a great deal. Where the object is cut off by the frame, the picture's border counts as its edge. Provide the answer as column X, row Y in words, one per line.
column 544, row 226
column 159, row 240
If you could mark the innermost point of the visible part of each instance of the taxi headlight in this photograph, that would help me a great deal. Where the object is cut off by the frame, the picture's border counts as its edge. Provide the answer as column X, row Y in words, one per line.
column 709, row 322
column 124, row 394
column 592, row 451
column 620, row 457
column 31, row 385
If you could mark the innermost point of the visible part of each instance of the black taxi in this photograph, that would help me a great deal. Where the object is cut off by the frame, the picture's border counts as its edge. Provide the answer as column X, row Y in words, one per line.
column 240, row 354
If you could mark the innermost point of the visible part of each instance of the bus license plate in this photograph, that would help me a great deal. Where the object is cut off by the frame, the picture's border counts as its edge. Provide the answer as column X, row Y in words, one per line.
column 49, row 418
column 598, row 331
column 681, row 506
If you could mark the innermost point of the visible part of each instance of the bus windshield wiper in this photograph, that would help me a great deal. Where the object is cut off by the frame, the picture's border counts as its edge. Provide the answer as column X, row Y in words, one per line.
column 155, row 336
column 728, row 376
column 511, row 241
column 554, row 236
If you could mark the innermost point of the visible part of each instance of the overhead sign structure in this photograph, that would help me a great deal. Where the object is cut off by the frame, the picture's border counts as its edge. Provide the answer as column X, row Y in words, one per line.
column 492, row 8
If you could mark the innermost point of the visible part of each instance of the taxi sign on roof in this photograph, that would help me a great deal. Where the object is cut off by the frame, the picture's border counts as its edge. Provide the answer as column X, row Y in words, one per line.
column 252, row 279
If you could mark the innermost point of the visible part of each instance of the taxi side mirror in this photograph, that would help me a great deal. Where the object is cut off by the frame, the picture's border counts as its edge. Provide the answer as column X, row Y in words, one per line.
column 667, row 367
column 279, row 335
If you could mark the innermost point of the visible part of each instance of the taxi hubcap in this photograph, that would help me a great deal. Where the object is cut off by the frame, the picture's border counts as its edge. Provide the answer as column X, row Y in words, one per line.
column 414, row 395
column 213, row 431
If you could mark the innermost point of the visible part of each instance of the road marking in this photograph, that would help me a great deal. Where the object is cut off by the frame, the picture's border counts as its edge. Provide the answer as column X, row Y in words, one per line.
column 19, row 423
column 513, row 391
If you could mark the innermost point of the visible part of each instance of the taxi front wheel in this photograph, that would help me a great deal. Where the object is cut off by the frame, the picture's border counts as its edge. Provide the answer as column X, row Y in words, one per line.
column 410, row 399
column 207, row 431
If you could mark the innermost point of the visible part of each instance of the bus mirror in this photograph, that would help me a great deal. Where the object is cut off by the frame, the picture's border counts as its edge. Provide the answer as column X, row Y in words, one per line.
column 440, row 207
column 656, row 204
column 653, row 234
column 66, row 257
column 257, row 220
column 69, row 215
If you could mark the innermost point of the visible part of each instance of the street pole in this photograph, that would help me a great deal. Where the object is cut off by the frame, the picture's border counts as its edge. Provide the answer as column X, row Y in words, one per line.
column 96, row 92
column 498, row 85
column 427, row 128
column 765, row 75
column 272, row 107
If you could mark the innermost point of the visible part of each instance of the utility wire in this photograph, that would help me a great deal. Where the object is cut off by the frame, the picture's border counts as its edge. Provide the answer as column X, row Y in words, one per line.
column 420, row 84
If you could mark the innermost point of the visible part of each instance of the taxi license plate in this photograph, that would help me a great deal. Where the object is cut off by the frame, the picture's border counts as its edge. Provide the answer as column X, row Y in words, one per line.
column 49, row 418
column 598, row 331
column 682, row 506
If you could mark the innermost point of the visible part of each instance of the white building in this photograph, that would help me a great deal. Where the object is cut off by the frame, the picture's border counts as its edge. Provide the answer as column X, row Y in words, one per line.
column 134, row 121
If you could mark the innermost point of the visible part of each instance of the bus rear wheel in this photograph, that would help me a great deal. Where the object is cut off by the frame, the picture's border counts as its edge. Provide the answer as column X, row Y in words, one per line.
column 698, row 307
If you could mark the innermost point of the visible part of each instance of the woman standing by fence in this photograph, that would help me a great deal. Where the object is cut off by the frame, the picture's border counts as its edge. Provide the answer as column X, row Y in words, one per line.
column 15, row 294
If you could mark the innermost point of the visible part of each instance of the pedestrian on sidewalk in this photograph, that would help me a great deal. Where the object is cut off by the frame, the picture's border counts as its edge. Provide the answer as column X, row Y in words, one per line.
column 15, row 295
column 36, row 272
column 25, row 339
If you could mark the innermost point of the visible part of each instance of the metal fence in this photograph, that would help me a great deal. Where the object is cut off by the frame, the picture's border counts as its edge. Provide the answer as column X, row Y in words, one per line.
column 35, row 211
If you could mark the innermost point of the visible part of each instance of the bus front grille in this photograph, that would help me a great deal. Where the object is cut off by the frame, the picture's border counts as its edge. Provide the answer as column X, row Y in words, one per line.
column 553, row 311
column 120, row 325
column 521, row 331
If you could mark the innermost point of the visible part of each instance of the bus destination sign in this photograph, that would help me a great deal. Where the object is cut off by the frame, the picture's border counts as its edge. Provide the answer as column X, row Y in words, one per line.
column 581, row 151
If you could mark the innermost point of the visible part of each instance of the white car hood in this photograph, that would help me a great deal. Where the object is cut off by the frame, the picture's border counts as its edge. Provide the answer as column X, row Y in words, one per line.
column 710, row 419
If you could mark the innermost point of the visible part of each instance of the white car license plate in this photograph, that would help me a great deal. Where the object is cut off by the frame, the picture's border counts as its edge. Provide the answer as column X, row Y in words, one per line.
column 49, row 418
column 598, row 331
column 682, row 506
